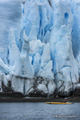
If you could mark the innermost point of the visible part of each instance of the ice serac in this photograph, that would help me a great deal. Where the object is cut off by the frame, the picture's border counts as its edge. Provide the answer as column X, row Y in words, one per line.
column 64, row 64
column 46, row 68
column 13, row 49
column 22, row 66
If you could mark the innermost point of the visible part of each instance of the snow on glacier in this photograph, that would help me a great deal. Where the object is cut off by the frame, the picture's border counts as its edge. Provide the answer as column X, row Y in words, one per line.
column 41, row 45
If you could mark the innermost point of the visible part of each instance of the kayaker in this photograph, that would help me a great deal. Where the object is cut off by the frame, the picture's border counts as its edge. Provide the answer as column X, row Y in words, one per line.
column 65, row 100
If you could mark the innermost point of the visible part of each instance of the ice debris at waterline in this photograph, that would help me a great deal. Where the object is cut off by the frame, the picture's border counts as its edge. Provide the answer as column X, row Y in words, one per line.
column 42, row 52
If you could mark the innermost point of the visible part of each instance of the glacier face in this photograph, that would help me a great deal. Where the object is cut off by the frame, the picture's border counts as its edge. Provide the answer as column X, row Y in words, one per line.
column 42, row 49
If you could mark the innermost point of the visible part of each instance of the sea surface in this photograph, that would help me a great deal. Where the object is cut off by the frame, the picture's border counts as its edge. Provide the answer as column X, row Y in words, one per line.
column 39, row 111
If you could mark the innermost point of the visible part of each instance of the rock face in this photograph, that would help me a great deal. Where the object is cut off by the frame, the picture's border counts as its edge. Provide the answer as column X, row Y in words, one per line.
column 42, row 54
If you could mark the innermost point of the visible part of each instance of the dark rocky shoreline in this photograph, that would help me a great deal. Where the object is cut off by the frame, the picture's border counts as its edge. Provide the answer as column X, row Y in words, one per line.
column 7, row 100
column 18, row 97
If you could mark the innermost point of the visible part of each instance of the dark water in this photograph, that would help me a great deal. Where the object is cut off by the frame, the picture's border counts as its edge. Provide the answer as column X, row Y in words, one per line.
column 39, row 111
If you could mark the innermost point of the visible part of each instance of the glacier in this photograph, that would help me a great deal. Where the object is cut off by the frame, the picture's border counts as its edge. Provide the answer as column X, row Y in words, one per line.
column 39, row 46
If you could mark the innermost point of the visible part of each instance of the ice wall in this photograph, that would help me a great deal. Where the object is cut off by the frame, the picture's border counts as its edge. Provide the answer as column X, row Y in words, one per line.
column 75, row 7
column 42, row 52
column 64, row 64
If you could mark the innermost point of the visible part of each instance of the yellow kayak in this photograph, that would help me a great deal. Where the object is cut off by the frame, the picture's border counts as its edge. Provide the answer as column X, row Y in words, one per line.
column 59, row 103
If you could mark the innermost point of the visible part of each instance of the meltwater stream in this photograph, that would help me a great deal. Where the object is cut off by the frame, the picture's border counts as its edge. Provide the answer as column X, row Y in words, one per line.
column 39, row 111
